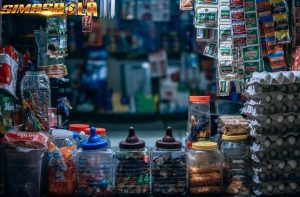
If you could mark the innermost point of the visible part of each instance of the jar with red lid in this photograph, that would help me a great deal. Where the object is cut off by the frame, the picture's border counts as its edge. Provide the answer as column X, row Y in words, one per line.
column 168, row 167
column 199, row 122
column 132, row 160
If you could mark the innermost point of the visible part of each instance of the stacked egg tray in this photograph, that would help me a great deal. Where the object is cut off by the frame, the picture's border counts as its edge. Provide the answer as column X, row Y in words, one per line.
column 273, row 114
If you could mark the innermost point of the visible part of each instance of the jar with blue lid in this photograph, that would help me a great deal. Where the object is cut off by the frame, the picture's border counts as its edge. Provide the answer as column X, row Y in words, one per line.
column 132, row 160
column 168, row 167
column 95, row 167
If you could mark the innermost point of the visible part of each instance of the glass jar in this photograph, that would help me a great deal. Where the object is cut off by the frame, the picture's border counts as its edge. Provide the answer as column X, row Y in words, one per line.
column 99, row 131
column 35, row 89
column 62, row 163
column 95, row 167
column 132, row 167
column 205, row 168
column 168, row 167
column 236, row 171
column 79, row 129
column 199, row 123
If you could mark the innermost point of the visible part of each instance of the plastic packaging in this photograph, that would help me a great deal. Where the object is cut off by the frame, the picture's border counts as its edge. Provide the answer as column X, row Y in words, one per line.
column 8, row 74
column 35, row 88
column 95, row 167
column 132, row 167
column 62, row 163
column 237, row 159
column 168, row 167
column 205, row 168
column 199, row 123
column 233, row 125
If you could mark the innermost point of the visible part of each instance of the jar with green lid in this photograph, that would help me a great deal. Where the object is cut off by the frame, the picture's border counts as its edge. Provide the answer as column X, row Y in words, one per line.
column 168, row 167
column 205, row 168
column 132, row 160
column 236, row 172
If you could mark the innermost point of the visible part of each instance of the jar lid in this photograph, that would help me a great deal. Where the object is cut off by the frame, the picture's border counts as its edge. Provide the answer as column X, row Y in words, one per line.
column 62, row 133
column 78, row 127
column 200, row 99
column 94, row 142
column 132, row 141
column 204, row 145
column 168, row 141
column 234, row 137
column 99, row 131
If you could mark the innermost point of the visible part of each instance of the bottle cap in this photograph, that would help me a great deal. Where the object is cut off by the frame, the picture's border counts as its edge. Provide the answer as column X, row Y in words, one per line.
column 168, row 141
column 99, row 131
column 200, row 99
column 94, row 142
column 78, row 127
column 132, row 141
column 205, row 145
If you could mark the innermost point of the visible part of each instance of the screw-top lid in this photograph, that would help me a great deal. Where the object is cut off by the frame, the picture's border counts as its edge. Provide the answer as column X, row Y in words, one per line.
column 200, row 99
column 78, row 127
column 132, row 141
column 94, row 142
column 205, row 145
column 99, row 131
column 168, row 141
column 234, row 137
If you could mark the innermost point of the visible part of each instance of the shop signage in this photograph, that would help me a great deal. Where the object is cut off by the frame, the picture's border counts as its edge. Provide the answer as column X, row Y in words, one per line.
column 50, row 9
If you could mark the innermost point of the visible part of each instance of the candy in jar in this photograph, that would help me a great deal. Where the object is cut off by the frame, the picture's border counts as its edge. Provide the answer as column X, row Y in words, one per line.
column 132, row 167
column 95, row 167
column 168, row 167
column 62, row 163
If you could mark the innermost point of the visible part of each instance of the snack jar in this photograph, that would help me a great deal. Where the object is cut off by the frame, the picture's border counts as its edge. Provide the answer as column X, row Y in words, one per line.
column 99, row 131
column 79, row 130
column 199, row 122
column 236, row 172
column 205, row 168
column 168, row 167
column 132, row 162
column 62, row 152
column 95, row 167
column 35, row 89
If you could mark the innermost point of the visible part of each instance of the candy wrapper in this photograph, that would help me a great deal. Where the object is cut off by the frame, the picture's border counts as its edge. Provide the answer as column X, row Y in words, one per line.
column 210, row 50
column 7, row 107
column 25, row 140
column 223, row 87
column 186, row 4
column 87, row 24
column 8, row 74
column 206, row 16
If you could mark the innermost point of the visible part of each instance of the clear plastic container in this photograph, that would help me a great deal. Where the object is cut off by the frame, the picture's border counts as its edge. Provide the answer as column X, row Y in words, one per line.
column 1, row 169
column 199, row 122
column 132, row 174
column 100, row 131
column 23, row 173
column 168, row 167
column 237, row 158
column 35, row 89
column 205, row 168
column 62, row 163
column 95, row 167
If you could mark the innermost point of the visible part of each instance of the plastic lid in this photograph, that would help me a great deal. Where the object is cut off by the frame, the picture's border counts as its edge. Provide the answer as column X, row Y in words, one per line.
column 168, row 141
column 132, row 141
column 62, row 133
column 78, row 127
column 234, row 137
column 204, row 145
column 200, row 99
column 99, row 131
column 95, row 141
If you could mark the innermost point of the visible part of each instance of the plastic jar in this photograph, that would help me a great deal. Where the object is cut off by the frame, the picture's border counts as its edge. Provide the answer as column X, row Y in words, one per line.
column 168, row 167
column 99, row 131
column 132, row 167
column 62, row 163
column 95, row 167
column 236, row 155
column 199, row 122
column 205, row 168
column 35, row 89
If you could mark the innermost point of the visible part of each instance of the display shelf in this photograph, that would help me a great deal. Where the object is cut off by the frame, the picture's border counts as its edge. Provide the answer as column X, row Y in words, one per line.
column 126, row 117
